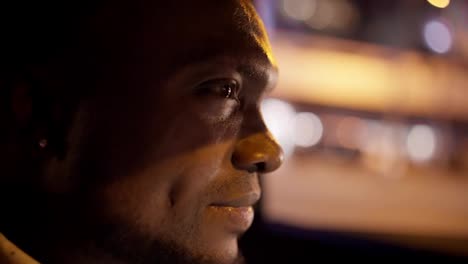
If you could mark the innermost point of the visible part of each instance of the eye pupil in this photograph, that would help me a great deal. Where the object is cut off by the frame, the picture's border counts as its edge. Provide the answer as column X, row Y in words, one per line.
column 227, row 90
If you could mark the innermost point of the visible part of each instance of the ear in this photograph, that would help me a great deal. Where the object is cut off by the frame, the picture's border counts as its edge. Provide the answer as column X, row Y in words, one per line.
column 28, row 115
column 17, row 145
column 36, row 132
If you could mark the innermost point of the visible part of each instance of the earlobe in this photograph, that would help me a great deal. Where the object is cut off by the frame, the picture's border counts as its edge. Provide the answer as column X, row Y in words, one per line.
column 24, row 119
column 43, row 143
column 35, row 121
column 23, row 142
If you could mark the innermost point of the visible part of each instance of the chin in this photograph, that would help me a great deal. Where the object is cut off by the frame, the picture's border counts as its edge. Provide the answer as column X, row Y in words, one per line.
column 229, row 252
column 219, row 251
column 136, row 247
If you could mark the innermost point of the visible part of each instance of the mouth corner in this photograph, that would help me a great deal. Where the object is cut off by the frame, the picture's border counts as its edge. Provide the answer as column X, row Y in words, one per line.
column 246, row 200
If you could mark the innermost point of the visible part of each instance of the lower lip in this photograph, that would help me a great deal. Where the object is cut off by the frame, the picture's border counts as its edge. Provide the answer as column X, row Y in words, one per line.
column 239, row 218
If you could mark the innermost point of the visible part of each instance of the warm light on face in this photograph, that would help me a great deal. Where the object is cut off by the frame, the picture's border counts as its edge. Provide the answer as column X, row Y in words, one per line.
column 439, row 3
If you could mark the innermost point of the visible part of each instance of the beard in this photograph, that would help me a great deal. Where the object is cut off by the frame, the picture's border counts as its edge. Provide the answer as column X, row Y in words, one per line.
column 123, row 245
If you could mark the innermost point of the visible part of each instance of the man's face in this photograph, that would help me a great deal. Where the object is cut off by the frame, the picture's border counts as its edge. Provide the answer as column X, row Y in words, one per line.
column 169, row 152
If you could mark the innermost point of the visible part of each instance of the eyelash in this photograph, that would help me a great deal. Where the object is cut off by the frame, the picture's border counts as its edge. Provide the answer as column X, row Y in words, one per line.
column 224, row 88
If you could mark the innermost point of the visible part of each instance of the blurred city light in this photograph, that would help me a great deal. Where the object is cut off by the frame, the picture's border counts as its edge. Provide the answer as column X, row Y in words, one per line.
column 337, row 15
column 421, row 143
column 437, row 36
column 333, row 15
column 365, row 79
column 279, row 117
column 351, row 132
column 369, row 70
column 381, row 152
column 323, row 17
column 299, row 10
column 308, row 129
column 439, row 3
column 266, row 11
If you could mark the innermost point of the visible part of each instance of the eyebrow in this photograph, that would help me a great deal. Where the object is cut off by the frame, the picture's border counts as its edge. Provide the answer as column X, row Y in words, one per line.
column 258, row 73
column 255, row 69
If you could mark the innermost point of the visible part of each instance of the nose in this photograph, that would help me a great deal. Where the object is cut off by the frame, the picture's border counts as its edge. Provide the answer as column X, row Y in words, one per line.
column 257, row 152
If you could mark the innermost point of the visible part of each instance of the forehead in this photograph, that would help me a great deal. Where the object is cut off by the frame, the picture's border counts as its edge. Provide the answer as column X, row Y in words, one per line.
column 142, row 43
column 198, row 30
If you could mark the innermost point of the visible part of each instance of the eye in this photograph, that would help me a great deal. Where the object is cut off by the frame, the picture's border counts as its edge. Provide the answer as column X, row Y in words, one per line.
column 223, row 88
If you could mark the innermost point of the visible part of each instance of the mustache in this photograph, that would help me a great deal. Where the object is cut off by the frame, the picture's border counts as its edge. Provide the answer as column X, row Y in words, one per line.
column 239, row 189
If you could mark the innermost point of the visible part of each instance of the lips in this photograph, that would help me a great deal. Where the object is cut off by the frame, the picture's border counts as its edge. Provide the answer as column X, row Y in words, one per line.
column 245, row 200
column 236, row 214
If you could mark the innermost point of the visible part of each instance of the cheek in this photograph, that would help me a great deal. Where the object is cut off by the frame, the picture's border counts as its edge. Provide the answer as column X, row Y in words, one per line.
column 168, row 200
column 193, row 128
column 215, row 110
column 189, row 221
column 138, row 201
column 166, row 194
column 202, row 168
column 180, row 155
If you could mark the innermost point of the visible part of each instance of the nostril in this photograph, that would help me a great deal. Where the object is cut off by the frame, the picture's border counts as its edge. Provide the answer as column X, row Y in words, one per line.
column 257, row 153
column 257, row 167
column 252, row 169
column 261, row 166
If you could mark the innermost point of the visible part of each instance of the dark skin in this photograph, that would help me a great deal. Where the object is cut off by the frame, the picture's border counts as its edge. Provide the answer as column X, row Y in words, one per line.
column 161, row 162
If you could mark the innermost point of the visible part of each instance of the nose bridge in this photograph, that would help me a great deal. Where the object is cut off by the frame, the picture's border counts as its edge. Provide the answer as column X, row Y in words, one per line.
column 256, row 149
column 253, row 123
